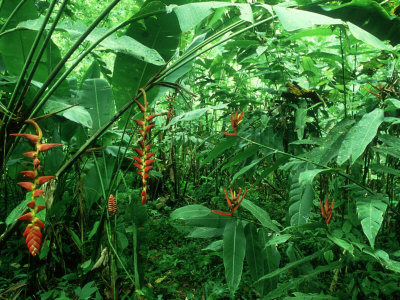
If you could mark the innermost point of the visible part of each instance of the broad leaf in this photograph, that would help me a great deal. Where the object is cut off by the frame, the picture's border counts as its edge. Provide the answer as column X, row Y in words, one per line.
column 234, row 252
column 370, row 213
column 96, row 96
column 190, row 212
column 301, row 196
column 359, row 136
column 260, row 214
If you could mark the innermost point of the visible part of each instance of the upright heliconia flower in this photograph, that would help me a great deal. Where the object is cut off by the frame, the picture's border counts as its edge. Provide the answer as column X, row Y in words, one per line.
column 326, row 210
column 143, row 159
column 32, row 232
column 112, row 205
column 235, row 121
column 233, row 202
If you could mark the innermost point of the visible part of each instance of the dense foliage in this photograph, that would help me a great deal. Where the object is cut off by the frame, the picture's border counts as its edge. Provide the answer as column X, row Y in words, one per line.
column 125, row 127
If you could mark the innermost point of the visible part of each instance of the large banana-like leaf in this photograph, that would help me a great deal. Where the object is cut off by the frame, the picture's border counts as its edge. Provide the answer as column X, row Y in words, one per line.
column 370, row 213
column 359, row 136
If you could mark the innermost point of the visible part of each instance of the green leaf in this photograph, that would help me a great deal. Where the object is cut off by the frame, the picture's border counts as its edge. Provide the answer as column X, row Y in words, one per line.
column 254, row 256
column 189, row 15
column 234, row 252
column 193, row 115
column 206, row 232
column 260, row 214
column 367, row 38
column 294, row 19
column 370, row 213
column 190, row 212
column 214, row 246
column 160, row 33
column 241, row 156
column 359, row 136
column 219, row 149
column 96, row 95
column 341, row 243
column 123, row 44
column 278, row 239
column 77, row 114
column 301, row 196
column 291, row 265
column 309, row 175
column 18, row 210
column 246, row 168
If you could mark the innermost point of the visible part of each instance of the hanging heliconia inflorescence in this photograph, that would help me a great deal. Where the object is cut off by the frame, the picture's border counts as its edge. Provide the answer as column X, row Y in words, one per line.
column 32, row 232
column 143, row 160
column 112, row 205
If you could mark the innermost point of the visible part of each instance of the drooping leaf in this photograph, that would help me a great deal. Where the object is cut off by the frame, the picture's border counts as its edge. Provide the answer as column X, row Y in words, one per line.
column 359, row 136
column 260, row 214
column 190, row 212
column 206, row 232
column 370, row 213
column 294, row 19
column 160, row 33
column 278, row 239
column 234, row 252
column 77, row 114
column 189, row 15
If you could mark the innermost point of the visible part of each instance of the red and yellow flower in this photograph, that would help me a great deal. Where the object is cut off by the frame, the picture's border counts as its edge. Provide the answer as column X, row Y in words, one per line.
column 143, row 159
column 233, row 202
column 235, row 121
column 32, row 232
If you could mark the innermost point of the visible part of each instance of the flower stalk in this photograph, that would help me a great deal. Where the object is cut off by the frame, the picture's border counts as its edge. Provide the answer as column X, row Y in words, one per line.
column 32, row 231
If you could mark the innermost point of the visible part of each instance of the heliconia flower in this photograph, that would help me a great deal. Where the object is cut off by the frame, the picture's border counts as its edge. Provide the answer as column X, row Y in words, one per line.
column 31, row 137
column 37, row 222
column 26, row 185
column 142, row 161
column 139, row 122
column 141, row 107
column 38, row 193
column 112, row 205
column 139, row 160
column 26, row 217
column 139, row 151
column 235, row 121
column 44, row 179
column 28, row 174
column 31, row 154
column 36, row 162
column 149, row 118
column 32, row 231
column 233, row 203
column 143, row 195
column 326, row 211
column 33, row 238
column 45, row 147
column 148, row 155
column 222, row 213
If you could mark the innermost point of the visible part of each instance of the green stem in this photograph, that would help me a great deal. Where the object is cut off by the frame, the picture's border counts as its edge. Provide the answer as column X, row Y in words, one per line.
column 29, row 59
column 16, row 9
column 62, row 62
column 35, row 106
column 135, row 257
